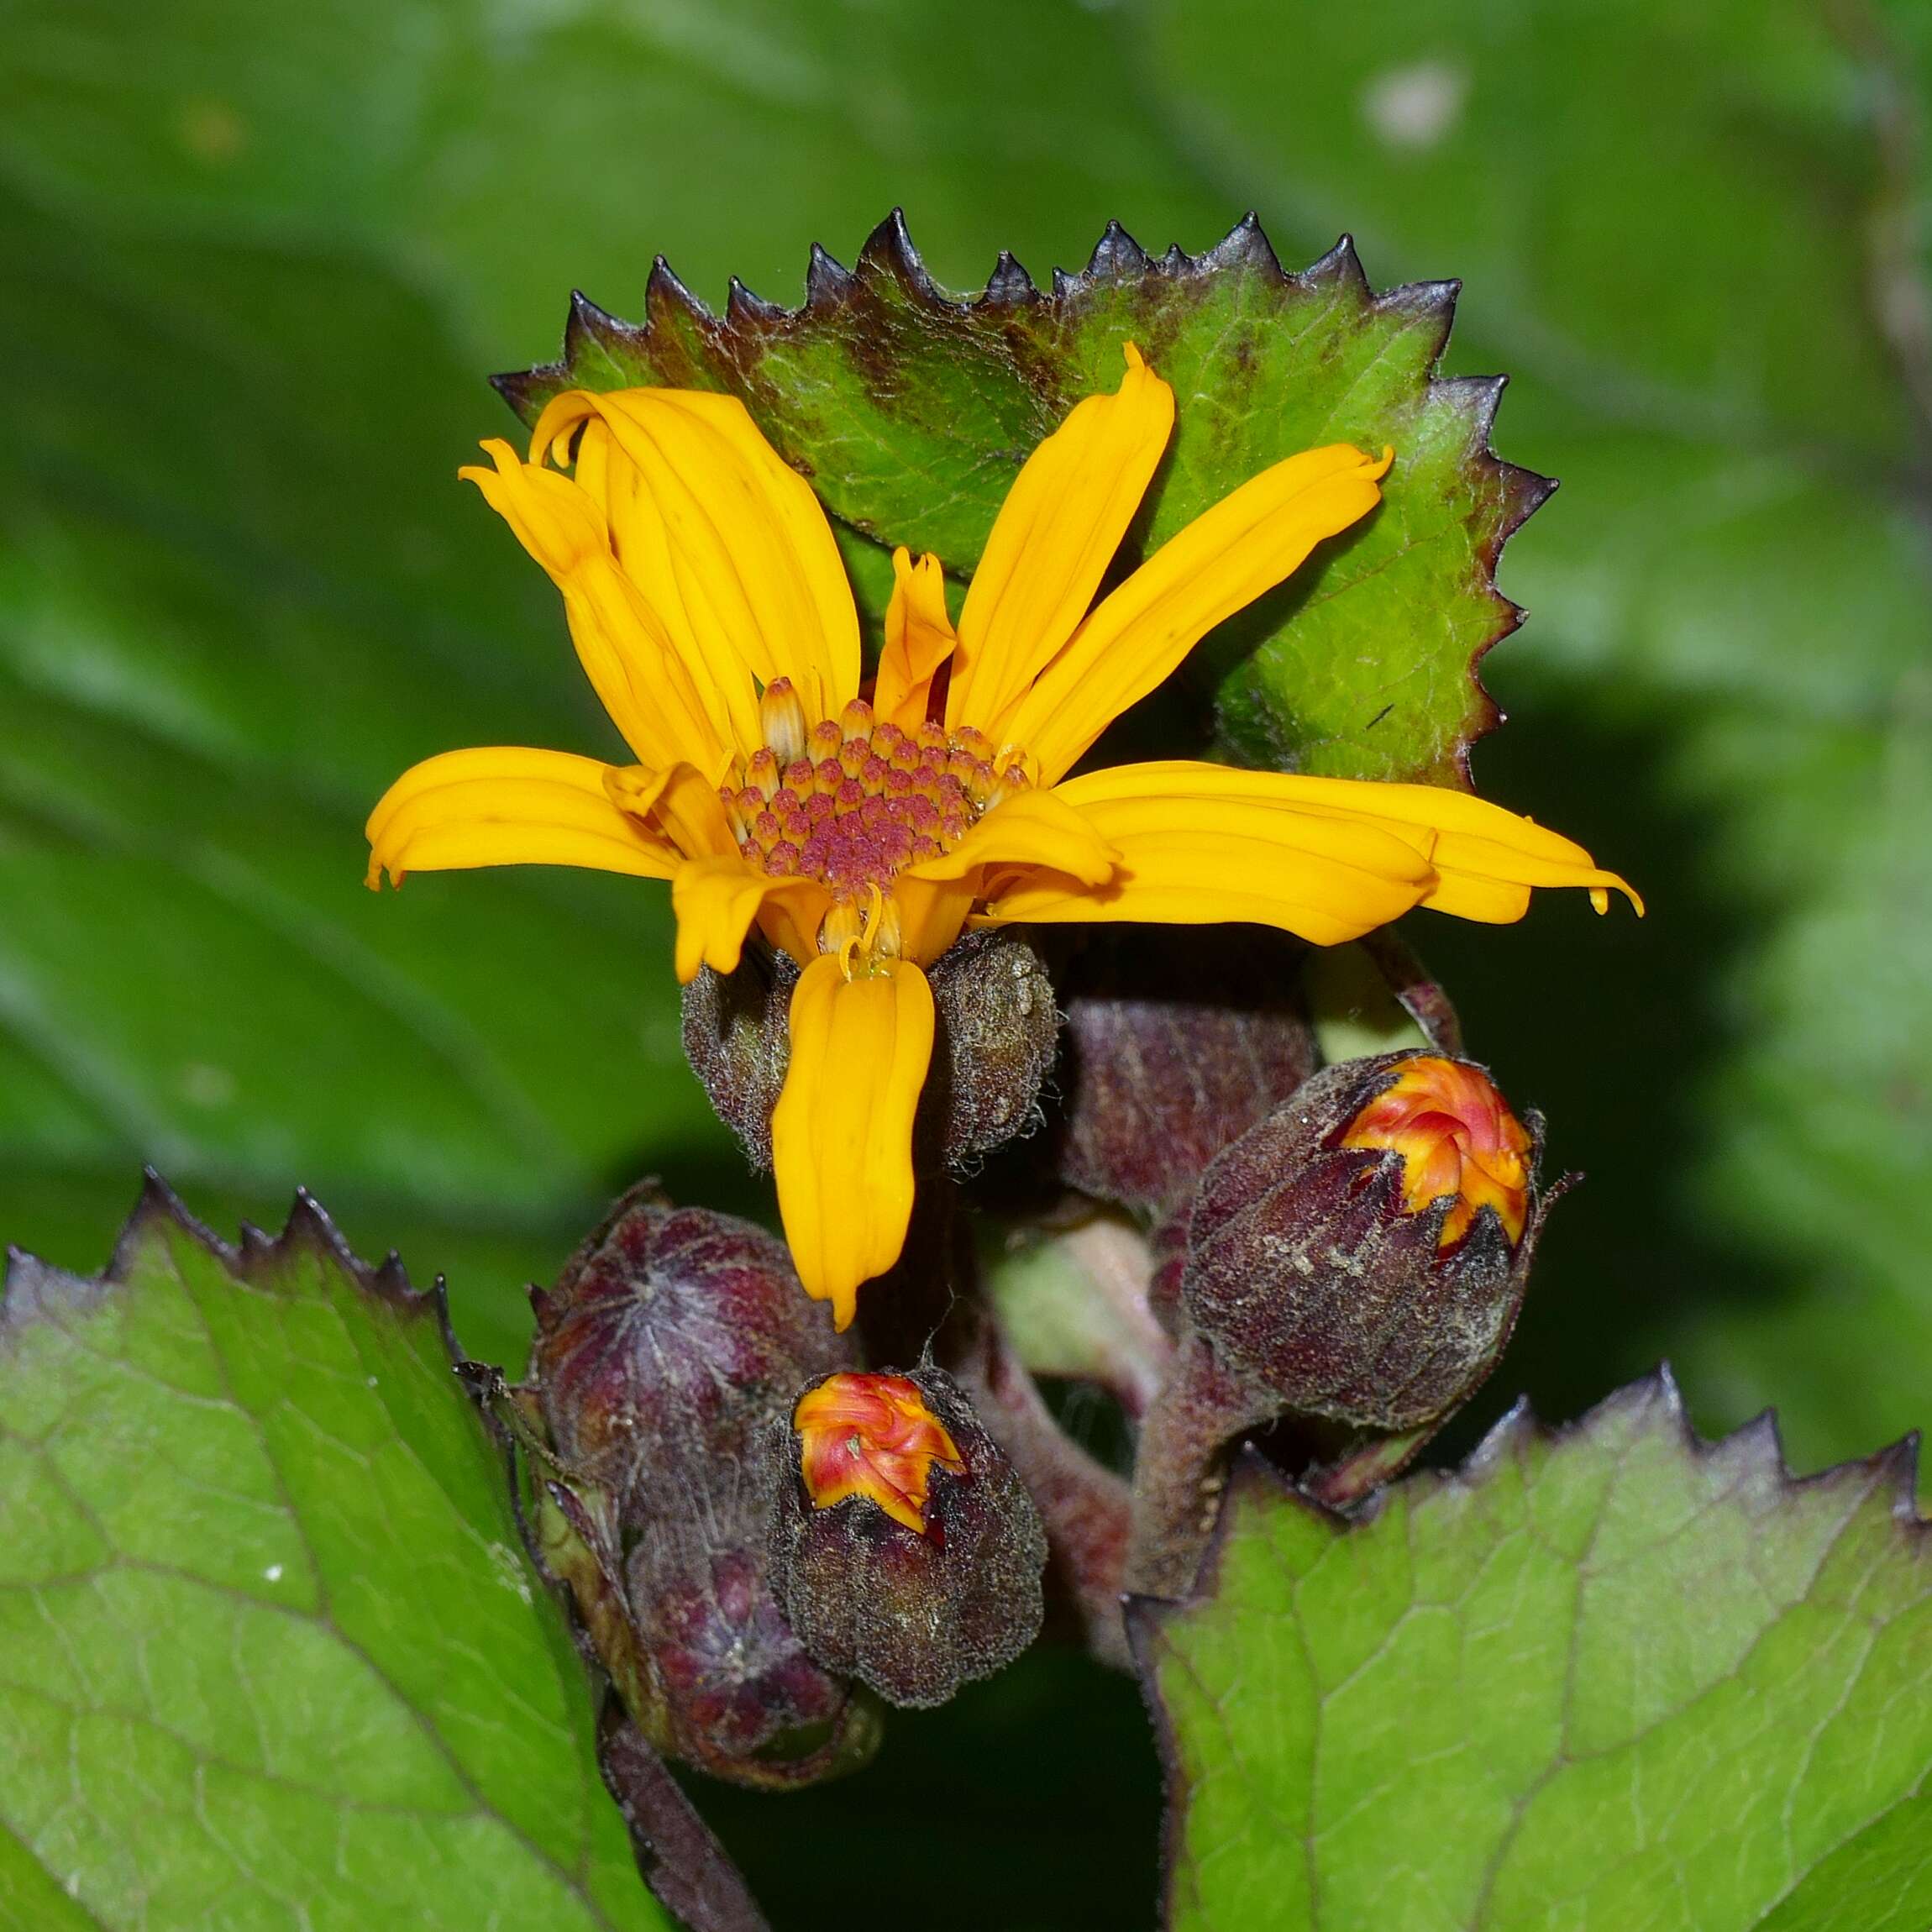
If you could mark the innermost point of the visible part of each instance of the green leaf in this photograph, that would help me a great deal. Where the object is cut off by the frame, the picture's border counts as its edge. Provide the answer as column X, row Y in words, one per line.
column 911, row 412
column 1695, row 238
column 270, row 1651
column 229, row 617
column 1612, row 1677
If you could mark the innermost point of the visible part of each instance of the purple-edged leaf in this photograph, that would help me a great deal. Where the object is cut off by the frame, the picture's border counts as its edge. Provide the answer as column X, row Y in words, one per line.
column 270, row 1651
column 1611, row 1676
column 911, row 411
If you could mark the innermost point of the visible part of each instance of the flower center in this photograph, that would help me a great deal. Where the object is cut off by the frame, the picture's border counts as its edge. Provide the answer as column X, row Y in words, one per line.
column 852, row 801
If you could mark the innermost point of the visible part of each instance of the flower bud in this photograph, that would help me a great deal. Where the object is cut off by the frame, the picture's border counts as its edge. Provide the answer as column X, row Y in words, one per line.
column 998, row 1026
column 738, row 1041
column 997, row 1030
column 664, row 1358
column 906, row 1551
column 1166, row 1063
column 1361, row 1253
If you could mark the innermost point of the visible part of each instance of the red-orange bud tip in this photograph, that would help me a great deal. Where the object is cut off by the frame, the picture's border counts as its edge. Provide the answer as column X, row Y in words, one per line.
column 872, row 1436
column 1457, row 1139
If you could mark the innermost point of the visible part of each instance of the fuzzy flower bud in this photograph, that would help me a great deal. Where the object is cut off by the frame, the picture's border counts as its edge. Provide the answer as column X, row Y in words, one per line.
column 996, row 1024
column 906, row 1551
column 1362, row 1253
column 664, row 1357
column 1166, row 1064
column 735, row 1039
column 999, row 1029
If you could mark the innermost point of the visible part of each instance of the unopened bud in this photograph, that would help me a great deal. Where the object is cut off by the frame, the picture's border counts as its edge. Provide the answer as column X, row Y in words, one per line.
column 736, row 1036
column 664, row 1358
column 781, row 717
column 1362, row 1253
column 1169, row 1057
column 998, row 1032
column 906, row 1551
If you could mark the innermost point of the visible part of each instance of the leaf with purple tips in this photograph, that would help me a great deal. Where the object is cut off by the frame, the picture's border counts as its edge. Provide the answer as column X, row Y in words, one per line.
column 269, row 1635
column 911, row 410
column 1613, row 1676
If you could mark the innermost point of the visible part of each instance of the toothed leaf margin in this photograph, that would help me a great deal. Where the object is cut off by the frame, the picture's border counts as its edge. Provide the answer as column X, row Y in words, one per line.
column 266, row 1634
column 911, row 410
column 1610, row 1675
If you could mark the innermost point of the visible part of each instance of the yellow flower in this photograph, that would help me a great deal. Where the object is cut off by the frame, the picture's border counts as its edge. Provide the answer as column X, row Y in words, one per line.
column 709, row 609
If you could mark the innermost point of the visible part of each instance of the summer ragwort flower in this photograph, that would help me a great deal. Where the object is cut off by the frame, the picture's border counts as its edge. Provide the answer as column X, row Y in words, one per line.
column 860, row 835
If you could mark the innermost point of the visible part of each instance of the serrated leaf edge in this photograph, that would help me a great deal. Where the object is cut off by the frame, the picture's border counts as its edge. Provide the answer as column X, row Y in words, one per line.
column 1758, row 1442
column 888, row 252
column 30, row 1287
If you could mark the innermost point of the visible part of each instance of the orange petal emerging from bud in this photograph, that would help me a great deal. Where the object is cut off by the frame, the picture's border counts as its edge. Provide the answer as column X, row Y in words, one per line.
column 872, row 1436
column 1456, row 1137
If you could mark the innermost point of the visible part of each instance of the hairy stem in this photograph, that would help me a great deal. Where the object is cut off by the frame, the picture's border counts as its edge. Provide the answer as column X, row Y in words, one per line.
column 1181, row 1466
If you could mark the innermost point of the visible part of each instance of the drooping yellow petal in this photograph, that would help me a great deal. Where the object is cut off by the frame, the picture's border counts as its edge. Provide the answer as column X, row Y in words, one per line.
column 679, row 803
column 728, row 545
column 918, row 640
column 716, row 900
column 1207, row 858
column 1055, row 535
column 506, row 804
column 1486, row 858
column 932, row 913
column 1032, row 827
column 625, row 651
column 842, row 1132
column 1220, row 564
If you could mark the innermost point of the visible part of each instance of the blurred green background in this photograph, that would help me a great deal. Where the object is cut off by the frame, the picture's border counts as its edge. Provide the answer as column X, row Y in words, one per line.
column 257, row 259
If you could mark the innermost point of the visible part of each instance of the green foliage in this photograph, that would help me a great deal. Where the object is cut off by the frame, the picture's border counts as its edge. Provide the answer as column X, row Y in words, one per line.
column 241, row 592
column 1615, row 1678
column 1696, row 241
column 272, row 1651
column 1672, row 229
column 256, row 258
column 912, row 410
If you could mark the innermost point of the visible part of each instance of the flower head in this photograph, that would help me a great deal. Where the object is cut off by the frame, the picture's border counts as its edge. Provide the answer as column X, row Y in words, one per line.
column 939, row 1584
column 1361, row 1253
column 861, row 834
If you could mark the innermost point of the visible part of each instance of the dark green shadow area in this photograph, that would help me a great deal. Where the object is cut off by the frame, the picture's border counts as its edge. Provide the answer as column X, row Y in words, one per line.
column 1030, row 1804
column 1615, row 1029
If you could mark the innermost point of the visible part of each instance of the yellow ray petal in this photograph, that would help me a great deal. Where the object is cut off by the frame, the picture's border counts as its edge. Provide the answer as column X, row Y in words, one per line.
column 716, row 900
column 842, row 1132
column 932, row 913
column 729, row 546
column 791, row 914
column 918, row 640
column 1034, row 828
column 680, row 804
column 1055, row 535
column 1203, row 859
column 1486, row 858
column 504, row 804
column 1220, row 564
column 718, row 671
column 624, row 650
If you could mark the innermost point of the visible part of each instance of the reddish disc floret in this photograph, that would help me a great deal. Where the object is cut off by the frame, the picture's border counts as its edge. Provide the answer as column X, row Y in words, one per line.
column 852, row 801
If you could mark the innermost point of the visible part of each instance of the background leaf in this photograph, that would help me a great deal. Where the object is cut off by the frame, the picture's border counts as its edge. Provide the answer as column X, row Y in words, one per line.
column 273, row 1651
column 1698, row 245
column 912, row 410
column 1618, row 1677
column 1665, row 221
